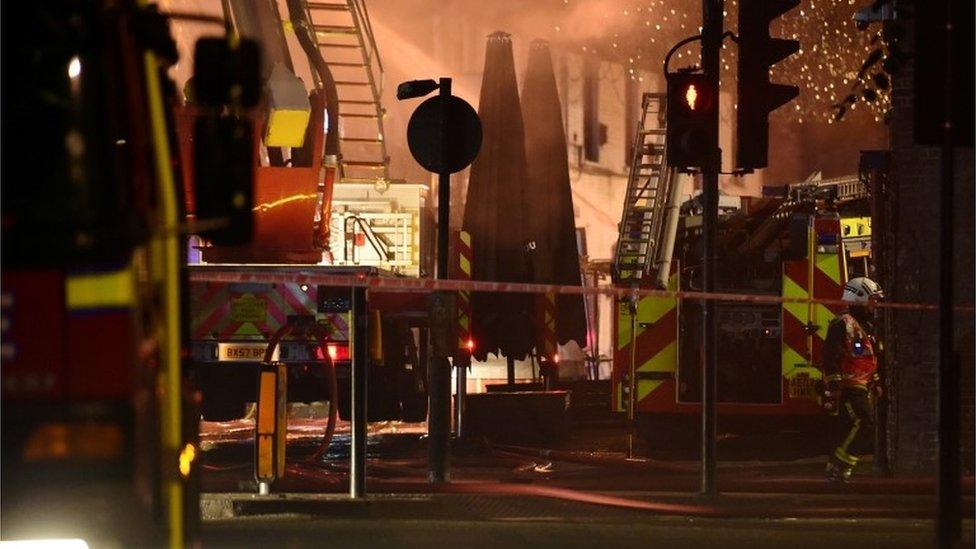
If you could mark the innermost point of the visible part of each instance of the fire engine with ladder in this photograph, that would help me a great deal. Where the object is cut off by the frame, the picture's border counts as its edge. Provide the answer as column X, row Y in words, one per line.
column 324, row 202
column 804, row 243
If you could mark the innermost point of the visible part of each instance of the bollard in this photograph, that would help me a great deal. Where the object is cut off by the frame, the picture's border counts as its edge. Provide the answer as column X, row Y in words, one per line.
column 271, row 427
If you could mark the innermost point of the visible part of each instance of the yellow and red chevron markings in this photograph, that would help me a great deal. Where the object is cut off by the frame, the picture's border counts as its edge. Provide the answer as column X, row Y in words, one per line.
column 653, row 348
column 462, row 271
column 225, row 311
column 801, row 354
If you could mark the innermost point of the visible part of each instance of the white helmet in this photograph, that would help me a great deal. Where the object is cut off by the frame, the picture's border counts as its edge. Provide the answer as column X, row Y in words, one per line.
column 861, row 289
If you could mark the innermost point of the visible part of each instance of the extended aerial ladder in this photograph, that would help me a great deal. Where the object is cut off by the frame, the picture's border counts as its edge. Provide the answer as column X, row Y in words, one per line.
column 344, row 37
column 649, row 220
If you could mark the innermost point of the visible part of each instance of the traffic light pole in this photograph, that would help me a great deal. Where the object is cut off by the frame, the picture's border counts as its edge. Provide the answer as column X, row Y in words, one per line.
column 712, row 30
column 948, row 523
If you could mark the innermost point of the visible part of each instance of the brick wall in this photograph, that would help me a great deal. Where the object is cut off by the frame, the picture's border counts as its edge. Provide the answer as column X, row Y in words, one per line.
column 912, row 336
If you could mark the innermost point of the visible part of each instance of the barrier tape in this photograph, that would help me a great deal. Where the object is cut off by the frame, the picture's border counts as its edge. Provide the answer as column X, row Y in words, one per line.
column 404, row 284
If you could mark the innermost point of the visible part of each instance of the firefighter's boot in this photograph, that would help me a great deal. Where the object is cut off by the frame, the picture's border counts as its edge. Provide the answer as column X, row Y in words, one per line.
column 837, row 471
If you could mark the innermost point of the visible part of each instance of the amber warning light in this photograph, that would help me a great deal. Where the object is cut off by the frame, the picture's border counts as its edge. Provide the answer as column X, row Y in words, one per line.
column 691, row 96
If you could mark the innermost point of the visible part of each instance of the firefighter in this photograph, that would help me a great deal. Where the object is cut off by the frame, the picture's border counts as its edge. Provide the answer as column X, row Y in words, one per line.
column 850, row 368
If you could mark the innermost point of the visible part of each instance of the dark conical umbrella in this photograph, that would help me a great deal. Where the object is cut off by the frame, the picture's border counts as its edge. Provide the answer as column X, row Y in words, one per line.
column 494, row 210
column 551, row 225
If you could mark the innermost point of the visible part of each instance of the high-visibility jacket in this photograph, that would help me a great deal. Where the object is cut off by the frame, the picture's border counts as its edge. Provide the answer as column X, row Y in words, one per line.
column 849, row 352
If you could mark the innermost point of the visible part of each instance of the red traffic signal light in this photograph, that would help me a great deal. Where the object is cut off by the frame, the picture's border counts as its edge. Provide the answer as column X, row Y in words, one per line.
column 691, row 105
column 691, row 96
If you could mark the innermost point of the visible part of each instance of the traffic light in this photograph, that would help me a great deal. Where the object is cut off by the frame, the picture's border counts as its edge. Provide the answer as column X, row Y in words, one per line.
column 757, row 96
column 692, row 104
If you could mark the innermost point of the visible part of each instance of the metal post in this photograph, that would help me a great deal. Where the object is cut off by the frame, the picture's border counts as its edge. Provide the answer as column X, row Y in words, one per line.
column 632, row 304
column 460, row 389
column 711, row 43
column 357, row 454
column 439, row 372
column 443, row 187
column 948, row 520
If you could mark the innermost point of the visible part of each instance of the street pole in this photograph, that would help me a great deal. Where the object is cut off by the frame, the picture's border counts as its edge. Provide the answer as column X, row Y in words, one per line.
column 439, row 372
column 712, row 28
column 949, row 514
column 357, row 453
column 460, row 390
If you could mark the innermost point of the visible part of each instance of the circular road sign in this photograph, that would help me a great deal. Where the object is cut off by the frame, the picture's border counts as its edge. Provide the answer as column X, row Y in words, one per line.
column 463, row 131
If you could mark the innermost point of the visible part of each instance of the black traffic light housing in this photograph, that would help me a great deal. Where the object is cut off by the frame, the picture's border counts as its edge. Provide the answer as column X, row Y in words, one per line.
column 757, row 96
column 692, row 104
column 225, row 75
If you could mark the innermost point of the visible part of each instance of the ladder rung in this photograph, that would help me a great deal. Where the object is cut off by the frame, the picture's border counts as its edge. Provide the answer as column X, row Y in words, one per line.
column 357, row 115
column 350, row 83
column 364, row 164
column 652, row 132
column 344, row 64
column 357, row 101
column 326, row 6
column 361, row 139
column 335, row 29
column 334, row 45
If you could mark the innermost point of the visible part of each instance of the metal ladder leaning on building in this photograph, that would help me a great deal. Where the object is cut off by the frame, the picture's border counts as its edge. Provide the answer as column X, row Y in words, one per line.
column 345, row 39
column 645, row 223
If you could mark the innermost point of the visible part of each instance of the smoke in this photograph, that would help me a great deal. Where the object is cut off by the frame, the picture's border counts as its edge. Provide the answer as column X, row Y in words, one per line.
column 433, row 38
column 451, row 37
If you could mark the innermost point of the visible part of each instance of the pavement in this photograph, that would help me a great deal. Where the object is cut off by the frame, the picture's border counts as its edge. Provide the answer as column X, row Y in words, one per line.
column 584, row 492
column 475, row 520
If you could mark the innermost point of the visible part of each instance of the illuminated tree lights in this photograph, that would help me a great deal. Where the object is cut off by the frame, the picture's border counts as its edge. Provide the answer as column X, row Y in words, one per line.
column 827, row 69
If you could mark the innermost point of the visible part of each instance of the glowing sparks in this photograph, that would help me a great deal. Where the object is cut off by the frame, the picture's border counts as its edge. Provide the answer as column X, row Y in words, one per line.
column 826, row 68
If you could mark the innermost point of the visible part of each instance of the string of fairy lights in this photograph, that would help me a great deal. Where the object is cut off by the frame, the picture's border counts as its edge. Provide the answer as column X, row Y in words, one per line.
column 826, row 69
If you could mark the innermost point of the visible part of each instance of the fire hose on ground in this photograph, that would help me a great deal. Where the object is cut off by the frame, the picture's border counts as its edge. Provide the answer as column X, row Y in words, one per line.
column 332, row 378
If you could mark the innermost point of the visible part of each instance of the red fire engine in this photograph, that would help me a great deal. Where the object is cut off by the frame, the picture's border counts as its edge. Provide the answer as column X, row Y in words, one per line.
column 323, row 203
column 805, row 244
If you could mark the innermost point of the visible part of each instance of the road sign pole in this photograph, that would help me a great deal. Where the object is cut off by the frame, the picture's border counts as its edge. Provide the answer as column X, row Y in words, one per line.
column 444, row 135
column 711, row 43
column 443, row 185
column 439, row 426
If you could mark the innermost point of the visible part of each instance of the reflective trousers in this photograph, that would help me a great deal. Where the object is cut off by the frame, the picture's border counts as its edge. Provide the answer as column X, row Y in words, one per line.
column 856, row 413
